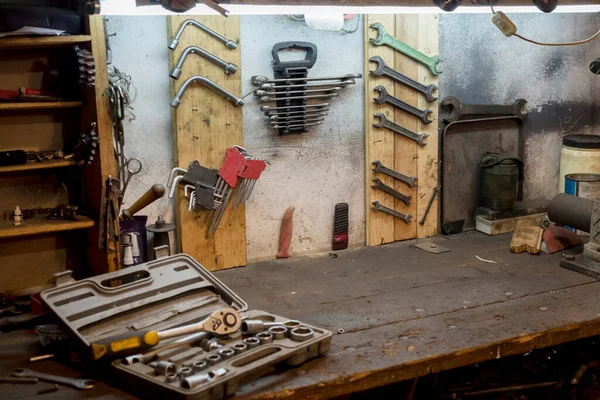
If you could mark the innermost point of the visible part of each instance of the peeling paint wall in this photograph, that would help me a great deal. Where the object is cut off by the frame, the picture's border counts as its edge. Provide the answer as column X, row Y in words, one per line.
column 483, row 66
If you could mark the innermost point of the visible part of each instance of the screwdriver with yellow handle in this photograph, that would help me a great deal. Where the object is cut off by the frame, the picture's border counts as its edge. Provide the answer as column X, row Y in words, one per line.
column 221, row 322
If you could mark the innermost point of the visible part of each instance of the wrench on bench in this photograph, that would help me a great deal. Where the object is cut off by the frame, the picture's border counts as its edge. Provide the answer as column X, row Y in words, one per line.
column 458, row 109
column 81, row 384
column 384, row 38
column 384, row 70
column 385, row 97
column 411, row 181
column 391, row 125
column 390, row 190
column 404, row 217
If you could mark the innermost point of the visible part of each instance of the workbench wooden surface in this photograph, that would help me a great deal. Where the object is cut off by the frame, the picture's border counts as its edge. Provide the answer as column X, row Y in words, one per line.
column 405, row 312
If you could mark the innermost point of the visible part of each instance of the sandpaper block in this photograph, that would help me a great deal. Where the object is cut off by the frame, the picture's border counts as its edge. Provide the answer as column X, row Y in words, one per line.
column 558, row 238
column 527, row 237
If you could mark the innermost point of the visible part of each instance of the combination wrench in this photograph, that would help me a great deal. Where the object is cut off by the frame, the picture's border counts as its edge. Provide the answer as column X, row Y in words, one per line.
column 458, row 109
column 385, row 97
column 384, row 70
column 404, row 217
column 299, row 107
column 270, row 93
column 313, row 96
column 391, row 125
column 290, row 114
column 82, row 384
column 261, row 80
column 296, row 121
column 384, row 38
column 411, row 181
column 389, row 190
column 296, row 126
column 267, row 86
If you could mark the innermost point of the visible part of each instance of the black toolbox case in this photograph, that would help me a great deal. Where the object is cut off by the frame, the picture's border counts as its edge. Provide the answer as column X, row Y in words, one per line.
column 167, row 293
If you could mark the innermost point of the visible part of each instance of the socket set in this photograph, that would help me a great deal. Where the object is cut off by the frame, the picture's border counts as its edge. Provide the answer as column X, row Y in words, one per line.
column 169, row 293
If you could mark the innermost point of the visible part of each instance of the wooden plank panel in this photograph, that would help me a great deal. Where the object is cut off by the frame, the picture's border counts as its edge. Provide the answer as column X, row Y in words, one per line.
column 405, row 157
column 31, row 106
column 43, row 41
column 49, row 164
column 204, row 126
column 379, row 142
column 39, row 226
column 428, row 155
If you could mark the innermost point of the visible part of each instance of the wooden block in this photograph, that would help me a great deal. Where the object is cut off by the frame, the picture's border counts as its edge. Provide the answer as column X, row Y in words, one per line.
column 427, row 156
column 204, row 126
column 500, row 226
column 527, row 237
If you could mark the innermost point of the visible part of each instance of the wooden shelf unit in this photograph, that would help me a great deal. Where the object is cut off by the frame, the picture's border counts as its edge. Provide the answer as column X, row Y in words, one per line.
column 11, row 43
column 40, row 105
column 41, row 165
column 40, row 226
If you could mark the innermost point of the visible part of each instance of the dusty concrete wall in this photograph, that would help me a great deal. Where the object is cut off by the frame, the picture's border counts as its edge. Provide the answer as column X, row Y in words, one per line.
column 482, row 66
column 139, row 48
column 314, row 170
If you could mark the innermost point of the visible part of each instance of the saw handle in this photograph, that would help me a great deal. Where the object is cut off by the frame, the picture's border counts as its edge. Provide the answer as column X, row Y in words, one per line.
column 124, row 345
column 154, row 193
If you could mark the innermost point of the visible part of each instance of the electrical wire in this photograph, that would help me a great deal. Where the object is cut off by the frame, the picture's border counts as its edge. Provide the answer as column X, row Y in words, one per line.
column 124, row 83
column 549, row 44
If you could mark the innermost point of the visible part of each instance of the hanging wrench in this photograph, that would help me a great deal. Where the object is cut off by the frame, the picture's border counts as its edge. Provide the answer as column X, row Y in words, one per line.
column 383, row 70
column 301, row 107
column 82, row 384
column 260, row 80
column 270, row 93
column 386, row 123
column 404, row 217
column 267, row 86
column 411, row 181
column 314, row 96
column 458, row 109
column 295, row 126
column 296, row 121
column 389, row 190
column 385, row 97
column 384, row 38
column 295, row 116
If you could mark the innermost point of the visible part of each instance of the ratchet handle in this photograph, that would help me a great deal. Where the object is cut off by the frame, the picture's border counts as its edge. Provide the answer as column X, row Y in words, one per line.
column 154, row 193
column 124, row 345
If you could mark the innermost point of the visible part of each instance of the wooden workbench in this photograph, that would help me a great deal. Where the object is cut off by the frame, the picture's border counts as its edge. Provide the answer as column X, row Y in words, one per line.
column 408, row 313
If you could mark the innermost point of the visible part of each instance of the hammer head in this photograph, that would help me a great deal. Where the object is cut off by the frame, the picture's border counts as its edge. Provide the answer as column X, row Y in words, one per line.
column 380, row 64
column 383, row 93
column 380, row 33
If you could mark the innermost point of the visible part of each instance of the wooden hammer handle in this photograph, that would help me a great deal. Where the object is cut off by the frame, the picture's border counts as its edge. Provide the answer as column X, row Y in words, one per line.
column 154, row 193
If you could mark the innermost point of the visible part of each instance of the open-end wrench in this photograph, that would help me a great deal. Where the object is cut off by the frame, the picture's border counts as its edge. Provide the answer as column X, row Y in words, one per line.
column 295, row 126
column 386, row 123
column 296, row 121
column 384, row 70
column 298, row 107
column 389, row 190
column 261, row 80
column 345, row 83
column 404, row 217
column 82, row 384
column 385, row 97
column 458, row 109
column 411, row 181
column 270, row 93
column 384, row 38
column 313, row 96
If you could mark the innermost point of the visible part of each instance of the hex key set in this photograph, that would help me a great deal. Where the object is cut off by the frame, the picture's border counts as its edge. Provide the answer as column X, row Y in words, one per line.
column 291, row 89
column 212, row 342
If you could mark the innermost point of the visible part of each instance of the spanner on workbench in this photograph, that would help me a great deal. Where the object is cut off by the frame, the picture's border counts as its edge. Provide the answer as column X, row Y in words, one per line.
column 458, row 109
column 389, row 190
column 384, row 70
column 386, row 123
column 404, row 217
column 82, row 384
column 411, row 181
column 384, row 38
column 385, row 97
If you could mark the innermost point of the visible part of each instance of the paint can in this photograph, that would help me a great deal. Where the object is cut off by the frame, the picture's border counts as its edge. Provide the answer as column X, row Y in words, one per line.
column 583, row 185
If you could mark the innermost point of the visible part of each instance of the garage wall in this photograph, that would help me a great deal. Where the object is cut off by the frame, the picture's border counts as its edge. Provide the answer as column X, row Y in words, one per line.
column 483, row 66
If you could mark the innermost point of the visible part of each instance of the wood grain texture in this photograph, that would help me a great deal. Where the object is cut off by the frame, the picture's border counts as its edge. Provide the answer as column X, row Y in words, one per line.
column 49, row 164
column 405, row 157
column 204, row 126
column 379, row 142
column 42, row 41
column 500, row 226
column 428, row 155
column 37, row 227
column 527, row 237
column 32, row 106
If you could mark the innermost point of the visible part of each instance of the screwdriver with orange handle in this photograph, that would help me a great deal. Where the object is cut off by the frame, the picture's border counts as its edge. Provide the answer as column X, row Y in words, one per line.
column 221, row 322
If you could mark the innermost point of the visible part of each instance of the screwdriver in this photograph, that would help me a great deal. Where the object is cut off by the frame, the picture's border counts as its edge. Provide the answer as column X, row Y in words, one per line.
column 220, row 322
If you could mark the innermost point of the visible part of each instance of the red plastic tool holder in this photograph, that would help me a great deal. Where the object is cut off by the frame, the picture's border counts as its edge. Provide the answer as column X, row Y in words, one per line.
column 251, row 169
column 234, row 160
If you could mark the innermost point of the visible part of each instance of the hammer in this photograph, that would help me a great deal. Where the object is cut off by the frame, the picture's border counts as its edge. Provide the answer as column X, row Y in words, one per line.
column 154, row 193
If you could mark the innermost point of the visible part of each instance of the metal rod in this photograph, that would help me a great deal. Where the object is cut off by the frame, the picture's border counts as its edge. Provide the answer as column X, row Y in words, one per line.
column 175, row 41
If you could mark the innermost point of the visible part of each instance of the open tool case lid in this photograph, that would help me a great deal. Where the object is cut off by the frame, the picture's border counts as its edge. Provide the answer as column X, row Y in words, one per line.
column 159, row 294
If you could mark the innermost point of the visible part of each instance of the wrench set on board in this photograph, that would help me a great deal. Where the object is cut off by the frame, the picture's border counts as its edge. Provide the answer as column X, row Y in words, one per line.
column 291, row 90
column 423, row 115
column 211, row 189
column 189, row 336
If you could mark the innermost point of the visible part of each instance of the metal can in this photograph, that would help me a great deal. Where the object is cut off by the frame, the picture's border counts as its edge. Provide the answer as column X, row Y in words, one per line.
column 583, row 185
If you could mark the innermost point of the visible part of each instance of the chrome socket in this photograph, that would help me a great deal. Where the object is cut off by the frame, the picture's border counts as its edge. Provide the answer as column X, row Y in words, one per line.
column 172, row 377
column 164, row 368
column 240, row 347
column 185, row 372
column 301, row 334
column 213, row 359
column 265, row 337
column 199, row 365
column 251, row 342
column 226, row 353
column 292, row 324
column 279, row 332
